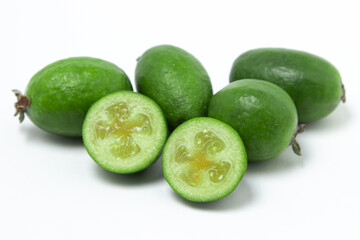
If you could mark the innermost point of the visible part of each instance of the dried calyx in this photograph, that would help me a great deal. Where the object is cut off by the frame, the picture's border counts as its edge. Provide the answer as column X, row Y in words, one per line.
column 21, row 105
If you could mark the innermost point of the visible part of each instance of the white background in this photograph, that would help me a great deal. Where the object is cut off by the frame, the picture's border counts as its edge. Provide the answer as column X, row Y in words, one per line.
column 51, row 189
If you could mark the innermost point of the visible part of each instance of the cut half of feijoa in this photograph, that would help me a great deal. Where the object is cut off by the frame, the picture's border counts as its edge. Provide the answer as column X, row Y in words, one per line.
column 204, row 159
column 124, row 132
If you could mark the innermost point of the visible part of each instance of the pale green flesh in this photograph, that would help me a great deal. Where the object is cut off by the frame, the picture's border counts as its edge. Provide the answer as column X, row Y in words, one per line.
column 124, row 133
column 204, row 160
column 120, row 128
column 201, row 162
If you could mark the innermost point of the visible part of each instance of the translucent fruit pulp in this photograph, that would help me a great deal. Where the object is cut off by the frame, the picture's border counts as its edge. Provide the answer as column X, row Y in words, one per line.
column 199, row 164
column 122, row 124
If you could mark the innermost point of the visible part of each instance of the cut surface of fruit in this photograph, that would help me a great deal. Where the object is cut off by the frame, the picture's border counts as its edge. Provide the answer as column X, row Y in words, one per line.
column 204, row 159
column 124, row 132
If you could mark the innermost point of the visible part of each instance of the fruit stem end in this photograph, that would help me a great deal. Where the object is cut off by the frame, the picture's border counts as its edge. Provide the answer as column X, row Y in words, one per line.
column 21, row 105
column 294, row 144
column 343, row 97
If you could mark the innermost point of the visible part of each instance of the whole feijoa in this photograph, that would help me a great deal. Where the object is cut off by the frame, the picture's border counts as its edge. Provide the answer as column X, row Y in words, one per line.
column 313, row 83
column 262, row 113
column 58, row 96
column 176, row 80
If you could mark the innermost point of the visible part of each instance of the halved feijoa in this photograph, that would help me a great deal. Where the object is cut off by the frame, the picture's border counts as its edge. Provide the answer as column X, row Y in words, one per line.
column 124, row 132
column 204, row 159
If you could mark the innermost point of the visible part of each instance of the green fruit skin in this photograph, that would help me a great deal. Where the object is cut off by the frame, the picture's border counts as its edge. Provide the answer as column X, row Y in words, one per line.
column 62, row 92
column 313, row 83
column 262, row 113
column 176, row 80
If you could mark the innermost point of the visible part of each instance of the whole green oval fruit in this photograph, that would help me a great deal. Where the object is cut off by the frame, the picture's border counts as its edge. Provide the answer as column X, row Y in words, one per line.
column 313, row 83
column 58, row 96
column 262, row 113
column 176, row 80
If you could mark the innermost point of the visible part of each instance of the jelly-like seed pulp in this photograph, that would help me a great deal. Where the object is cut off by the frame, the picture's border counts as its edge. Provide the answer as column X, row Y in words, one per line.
column 201, row 162
column 123, row 124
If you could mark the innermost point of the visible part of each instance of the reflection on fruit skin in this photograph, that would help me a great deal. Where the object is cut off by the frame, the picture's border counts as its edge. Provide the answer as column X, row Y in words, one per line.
column 123, row 126
column 207, row 144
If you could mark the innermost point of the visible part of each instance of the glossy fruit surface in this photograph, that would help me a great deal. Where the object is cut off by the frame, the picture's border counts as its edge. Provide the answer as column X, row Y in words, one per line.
column 204, row 159
column 124, row 132
column 262, row 113
column 176, row 80
column 61, row 93
column 313, row 83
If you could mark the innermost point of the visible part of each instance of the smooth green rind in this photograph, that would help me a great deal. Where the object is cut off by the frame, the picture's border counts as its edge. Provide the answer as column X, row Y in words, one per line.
column 62, row 92
column 176, row 80
column 262, row 113
column 234, row 150
column 313, row 83
column 153, row 145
